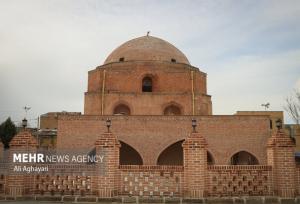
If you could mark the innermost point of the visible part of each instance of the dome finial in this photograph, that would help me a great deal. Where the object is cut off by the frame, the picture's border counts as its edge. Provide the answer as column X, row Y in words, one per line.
column 148, row 33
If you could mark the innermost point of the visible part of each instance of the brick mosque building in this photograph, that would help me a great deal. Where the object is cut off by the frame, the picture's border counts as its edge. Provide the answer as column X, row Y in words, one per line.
column 149, row 109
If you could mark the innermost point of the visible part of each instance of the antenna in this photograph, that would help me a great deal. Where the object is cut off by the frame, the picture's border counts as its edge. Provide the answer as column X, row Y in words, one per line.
column 266, row 105
column 26, row 108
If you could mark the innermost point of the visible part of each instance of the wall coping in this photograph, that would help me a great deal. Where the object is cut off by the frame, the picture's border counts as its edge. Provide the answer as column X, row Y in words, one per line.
column 160, row 117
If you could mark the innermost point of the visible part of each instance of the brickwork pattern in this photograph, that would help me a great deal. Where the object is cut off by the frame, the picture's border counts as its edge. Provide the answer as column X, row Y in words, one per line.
column 240, row 180
column 151, row 180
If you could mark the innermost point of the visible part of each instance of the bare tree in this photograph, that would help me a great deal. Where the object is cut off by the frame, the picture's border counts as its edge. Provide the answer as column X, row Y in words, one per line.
column 293, row 106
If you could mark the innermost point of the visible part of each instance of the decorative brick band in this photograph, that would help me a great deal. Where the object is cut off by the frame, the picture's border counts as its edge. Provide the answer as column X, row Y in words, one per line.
column 150, row 168
column 239, row 167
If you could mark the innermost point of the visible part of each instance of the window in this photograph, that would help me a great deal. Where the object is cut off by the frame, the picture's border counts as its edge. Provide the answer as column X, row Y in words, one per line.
column 121, row 59
column 173, row 60
column 147, row 84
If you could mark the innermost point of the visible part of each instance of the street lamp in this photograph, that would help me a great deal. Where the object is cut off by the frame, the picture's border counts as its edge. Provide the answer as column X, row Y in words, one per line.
column 279, row 124
column 24, row 123
column 194, row 124
column 108, row 124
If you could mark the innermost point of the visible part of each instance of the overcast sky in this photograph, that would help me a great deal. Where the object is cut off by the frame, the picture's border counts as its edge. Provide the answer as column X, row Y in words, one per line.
column 249, row 49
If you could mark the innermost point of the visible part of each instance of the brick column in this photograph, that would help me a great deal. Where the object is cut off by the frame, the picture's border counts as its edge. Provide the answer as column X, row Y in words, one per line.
column 281, row 157
column 20, row 183
column 109, row 178
column 195, row 165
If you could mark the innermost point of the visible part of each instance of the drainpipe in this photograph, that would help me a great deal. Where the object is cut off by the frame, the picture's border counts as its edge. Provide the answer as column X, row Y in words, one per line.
column 103, row 90
column 193, row 94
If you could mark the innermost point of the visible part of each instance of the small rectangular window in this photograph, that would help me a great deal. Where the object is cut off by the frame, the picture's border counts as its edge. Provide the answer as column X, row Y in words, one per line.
column 121, row 59
column 173, row 60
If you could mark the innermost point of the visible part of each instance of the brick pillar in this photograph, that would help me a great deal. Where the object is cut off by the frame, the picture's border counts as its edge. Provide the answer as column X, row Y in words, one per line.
column 195, row 165
column 280, row 152
column 109, row 174
column 20, row 183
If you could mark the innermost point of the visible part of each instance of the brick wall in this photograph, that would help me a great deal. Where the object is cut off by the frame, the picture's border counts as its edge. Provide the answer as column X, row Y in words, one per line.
column 242, row 180
column 150, row 135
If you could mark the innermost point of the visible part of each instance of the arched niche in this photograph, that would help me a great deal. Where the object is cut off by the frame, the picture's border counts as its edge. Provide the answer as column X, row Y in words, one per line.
column 172, row 155
column 121, row 109
column 243, row 158
column 129, row 156
column 172, row 109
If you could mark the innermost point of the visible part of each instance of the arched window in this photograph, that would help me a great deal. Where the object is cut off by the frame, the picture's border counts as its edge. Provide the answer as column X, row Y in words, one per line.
column 243, row 158
column 172, row 155
column 147, row 84
column 121, row 110
column 172, row 110
column 129, row 156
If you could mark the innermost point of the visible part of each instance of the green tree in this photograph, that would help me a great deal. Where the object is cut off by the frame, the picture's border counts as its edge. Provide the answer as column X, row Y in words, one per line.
column 7, row 132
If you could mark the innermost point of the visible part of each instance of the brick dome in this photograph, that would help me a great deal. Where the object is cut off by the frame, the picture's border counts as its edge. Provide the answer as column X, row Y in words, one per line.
column 147, row 48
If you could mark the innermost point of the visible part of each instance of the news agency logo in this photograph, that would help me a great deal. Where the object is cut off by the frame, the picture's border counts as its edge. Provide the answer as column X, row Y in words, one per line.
column 65, row 158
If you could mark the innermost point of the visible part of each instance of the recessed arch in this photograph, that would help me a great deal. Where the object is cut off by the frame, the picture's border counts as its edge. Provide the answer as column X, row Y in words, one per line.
column 210, row 158
column 172, row 155
column 121, row 109
column 243, row 158
column 172, row 108
column 129, row 156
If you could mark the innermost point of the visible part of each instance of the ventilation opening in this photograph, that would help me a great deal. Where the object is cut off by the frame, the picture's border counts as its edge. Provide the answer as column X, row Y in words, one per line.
column 173, row 60
column 147, row 84
column 121, row 59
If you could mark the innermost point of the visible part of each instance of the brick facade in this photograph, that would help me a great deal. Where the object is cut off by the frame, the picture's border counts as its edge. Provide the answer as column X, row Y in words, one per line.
column 250, row 133
column 122, row 84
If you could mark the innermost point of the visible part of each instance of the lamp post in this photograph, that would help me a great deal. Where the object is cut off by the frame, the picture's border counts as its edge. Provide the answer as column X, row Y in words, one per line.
column 279, row 124
column 194, row 124
column 108, row 124
column 24, row 123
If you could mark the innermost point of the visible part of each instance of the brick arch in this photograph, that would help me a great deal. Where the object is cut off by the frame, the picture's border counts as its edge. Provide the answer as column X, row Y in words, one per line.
column 120, row 103
column 171, row 155
column 129, row 155
column 254, row 159
column 173, row 103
